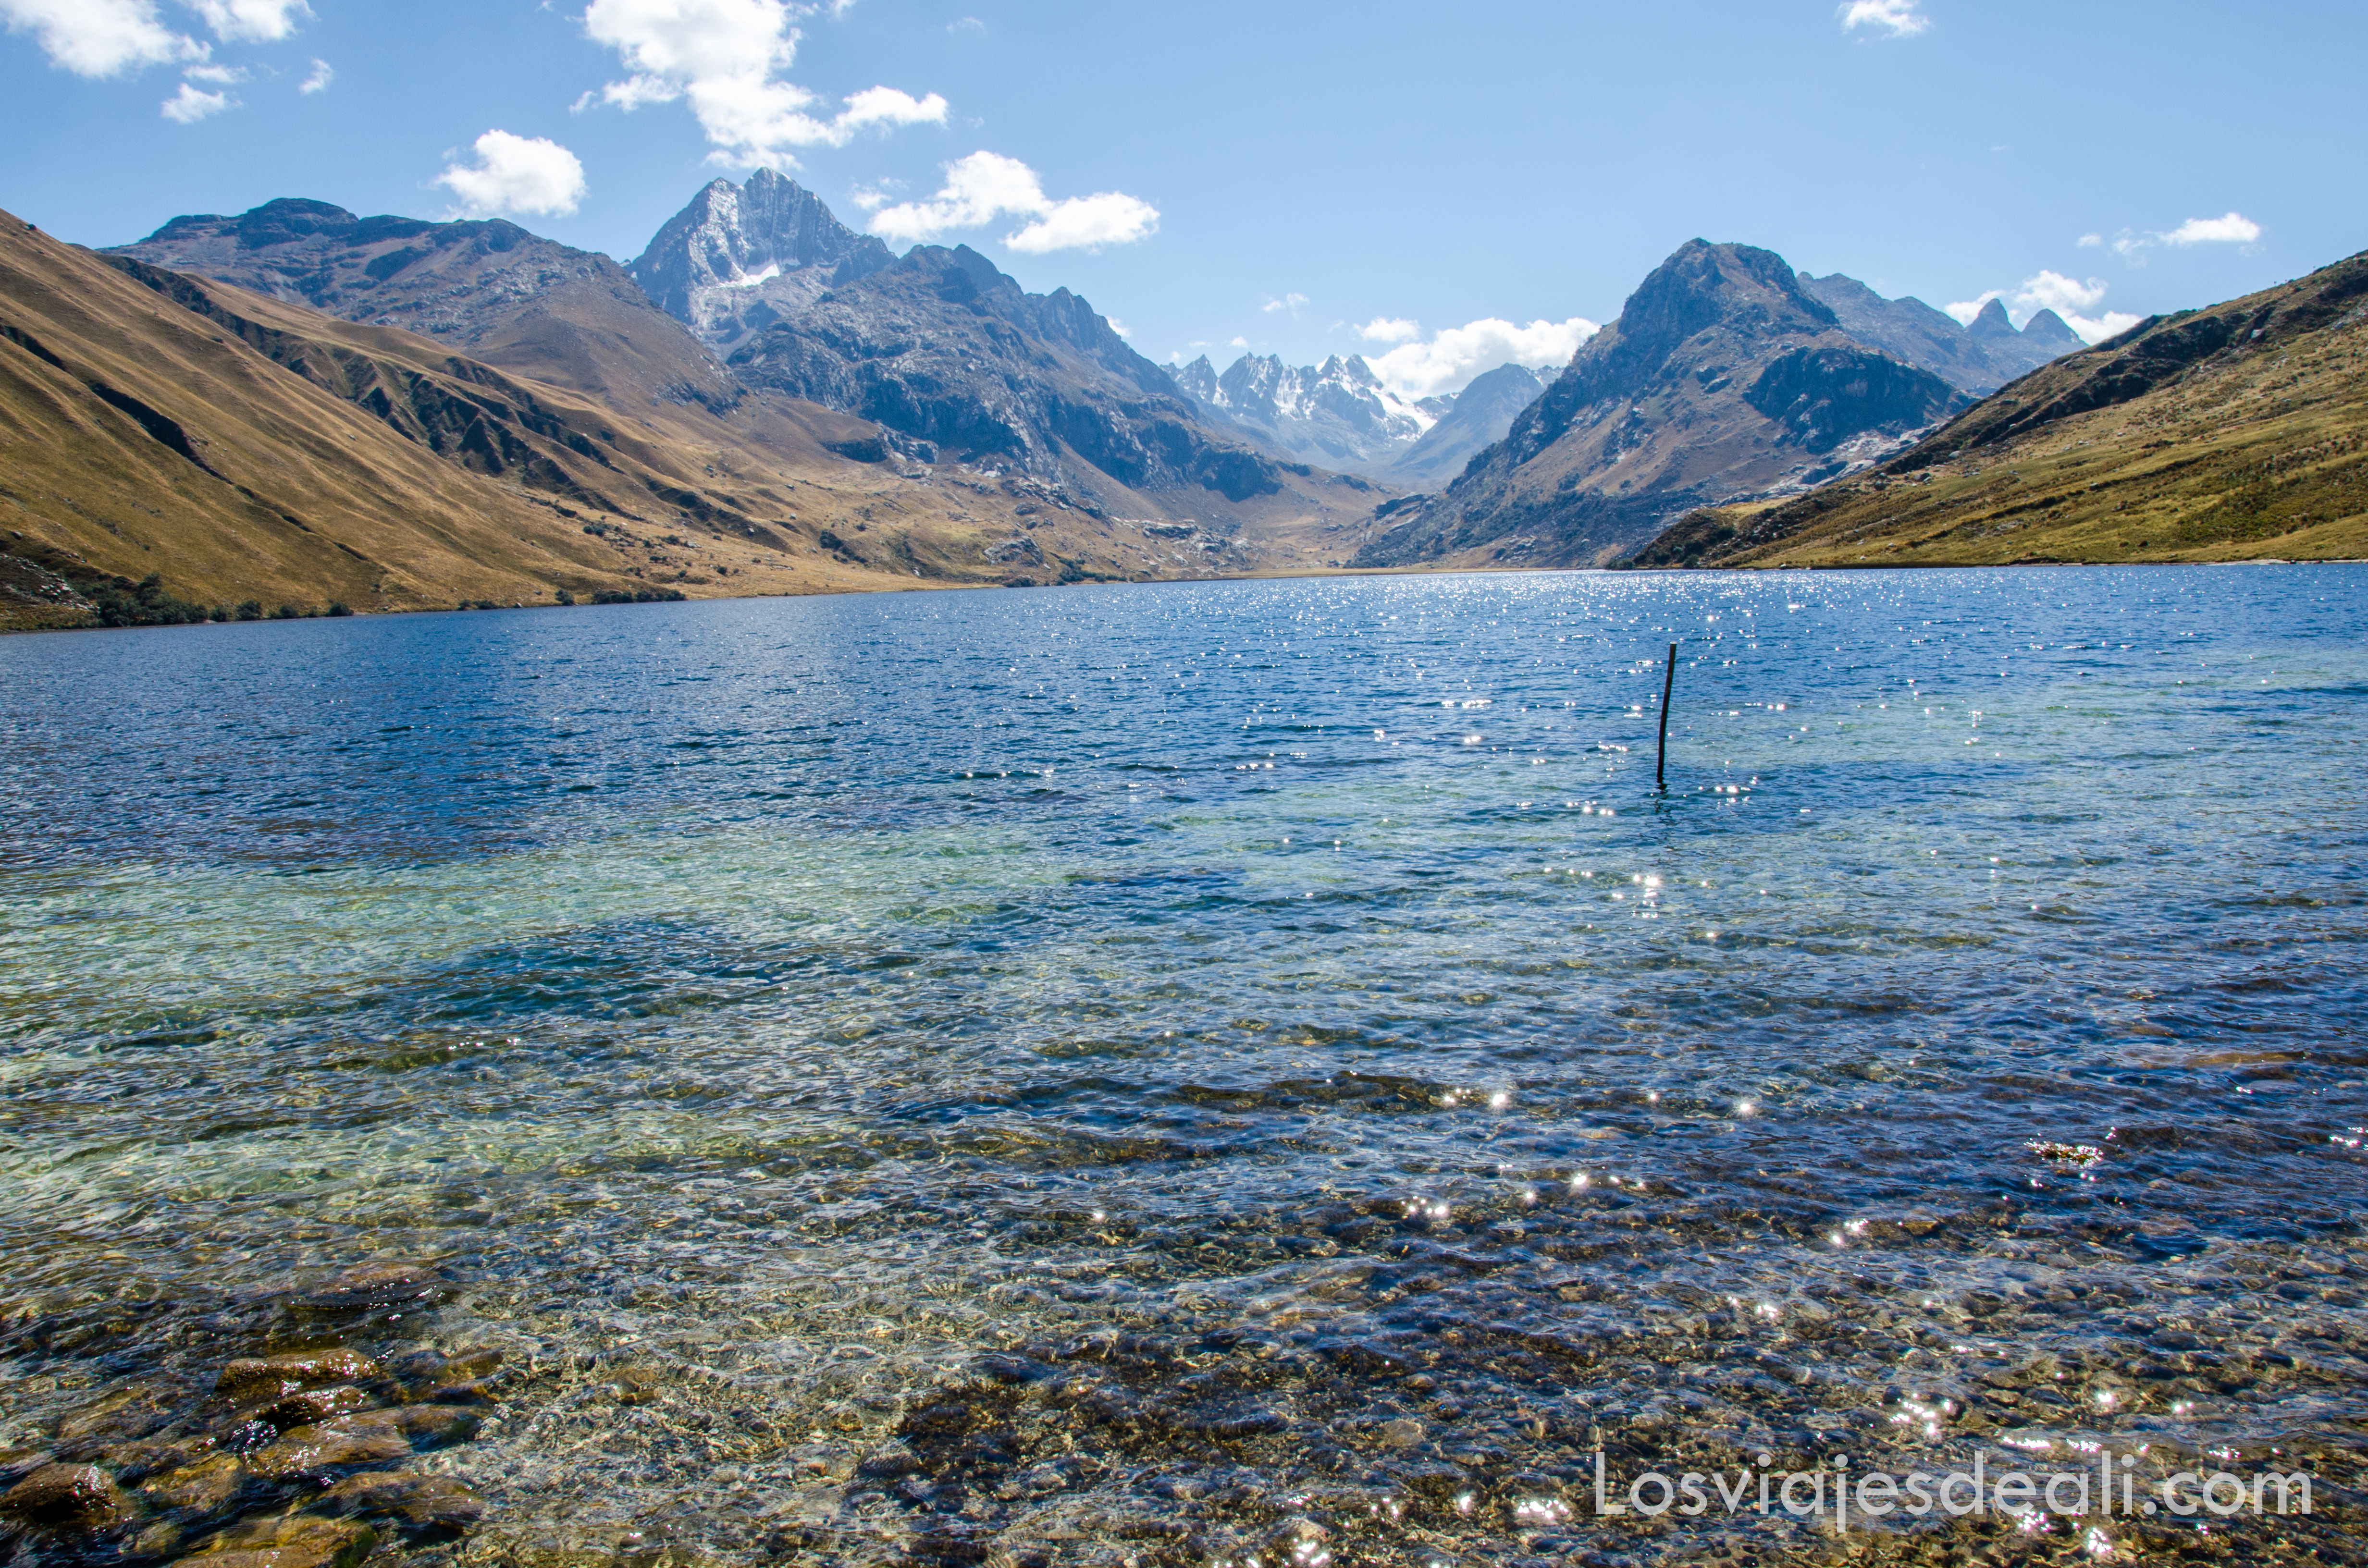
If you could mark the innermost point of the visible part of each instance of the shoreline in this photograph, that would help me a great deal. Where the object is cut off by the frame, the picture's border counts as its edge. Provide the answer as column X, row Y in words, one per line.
column 1274, row 574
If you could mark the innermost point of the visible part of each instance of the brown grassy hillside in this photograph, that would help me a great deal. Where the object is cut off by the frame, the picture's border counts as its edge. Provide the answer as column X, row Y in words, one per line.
column 244, row 449
column 2235, row 433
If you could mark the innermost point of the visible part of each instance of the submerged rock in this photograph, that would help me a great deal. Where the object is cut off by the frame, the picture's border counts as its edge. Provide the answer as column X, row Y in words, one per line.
column 361, row 1441
column 17, row 1463
column 371, row 1286
column 296, row 1542
column 465, row 1376
column 204, row 1490
column 80, row 1498
column 118, row 1417
column 259, row 1380
column 325, row 1453
column 421, row 1425
column 306, row 1408
column 132, row 1463
column 423, row 1508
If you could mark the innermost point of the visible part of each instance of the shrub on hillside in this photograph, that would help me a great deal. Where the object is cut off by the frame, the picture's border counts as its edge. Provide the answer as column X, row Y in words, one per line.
column 144, row 604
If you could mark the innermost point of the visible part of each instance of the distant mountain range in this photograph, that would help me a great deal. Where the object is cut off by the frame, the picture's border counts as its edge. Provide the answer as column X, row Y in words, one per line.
column 1977, row 357
column 945, row 349
column 1724, row 377
column 1337, row 413
column 1342, row 415
column 803, row 409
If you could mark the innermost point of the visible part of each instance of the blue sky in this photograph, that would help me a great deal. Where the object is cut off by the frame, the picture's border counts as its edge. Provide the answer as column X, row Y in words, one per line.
column 1301, row 178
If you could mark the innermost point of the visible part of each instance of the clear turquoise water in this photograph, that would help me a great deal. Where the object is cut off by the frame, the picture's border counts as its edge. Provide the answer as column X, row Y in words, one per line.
column 1257, row 1012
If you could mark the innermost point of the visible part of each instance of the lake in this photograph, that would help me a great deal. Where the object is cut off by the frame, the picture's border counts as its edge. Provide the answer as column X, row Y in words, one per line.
column 1215, row 1074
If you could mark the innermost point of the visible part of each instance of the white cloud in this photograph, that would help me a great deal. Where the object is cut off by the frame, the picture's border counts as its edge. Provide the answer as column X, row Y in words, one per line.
column 517, row 174
column 1238, row 342
column 1450, row 360
column 2089, row 242
column 1119, row 326
column 986, row 185
column 1088, row 222
column 1391, row 329
column 107, row 38
column 2045, row 290
column 190, row 106
column 723, row 56
column 252, row 21
column 1900, row 18
column 2233, row 229
column 99, row 37
column 1290, row 302
column 318, row 82
column 2067, row 296
column 219, row 75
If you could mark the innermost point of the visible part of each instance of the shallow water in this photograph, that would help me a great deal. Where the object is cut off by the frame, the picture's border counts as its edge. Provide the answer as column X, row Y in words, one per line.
column 1215, row 1071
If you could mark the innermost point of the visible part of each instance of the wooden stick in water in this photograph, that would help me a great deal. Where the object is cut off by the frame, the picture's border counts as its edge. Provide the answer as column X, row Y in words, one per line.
column 1661, row 763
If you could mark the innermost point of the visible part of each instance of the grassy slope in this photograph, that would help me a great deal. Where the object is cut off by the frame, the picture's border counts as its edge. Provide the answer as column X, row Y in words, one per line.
column 2234, row 434
column 243, row 448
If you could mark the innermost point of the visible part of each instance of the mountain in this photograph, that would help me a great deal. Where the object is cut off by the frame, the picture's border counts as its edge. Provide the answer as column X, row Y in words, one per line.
column 142, row 437
column 1978, row 358
column 489, row 289
column 169, row 441
column 2236, row 432
column 1481, row 415
column 1337, row 413
column 2042, row 338
column 952, row 354
column 1723, row 379
column 740, row 257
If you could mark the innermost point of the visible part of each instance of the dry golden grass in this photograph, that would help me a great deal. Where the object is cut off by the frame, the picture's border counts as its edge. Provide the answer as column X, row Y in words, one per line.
column 242, row 447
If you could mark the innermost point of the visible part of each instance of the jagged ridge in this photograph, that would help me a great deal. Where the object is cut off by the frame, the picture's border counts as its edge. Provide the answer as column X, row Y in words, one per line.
column 945, row 349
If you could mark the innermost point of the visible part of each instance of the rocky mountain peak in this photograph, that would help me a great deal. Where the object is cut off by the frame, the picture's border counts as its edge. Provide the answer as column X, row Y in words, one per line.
column 1991, row 323
column 739, row 257
column 2049, row 331
column 1703, row 285
column 1198, row 380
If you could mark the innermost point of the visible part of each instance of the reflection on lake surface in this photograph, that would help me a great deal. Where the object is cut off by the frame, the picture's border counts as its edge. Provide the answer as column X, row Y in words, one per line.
column 1210, row 1072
